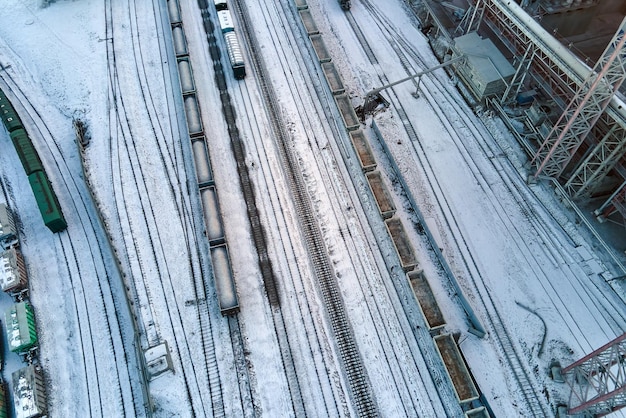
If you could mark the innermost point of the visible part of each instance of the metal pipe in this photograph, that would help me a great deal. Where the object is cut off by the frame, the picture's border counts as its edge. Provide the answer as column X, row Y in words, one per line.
column 375, row 91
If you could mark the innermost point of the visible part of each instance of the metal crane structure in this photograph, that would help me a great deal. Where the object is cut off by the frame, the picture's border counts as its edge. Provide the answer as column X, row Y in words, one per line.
column 582, row 140
column 598, row 380
column 585, row 108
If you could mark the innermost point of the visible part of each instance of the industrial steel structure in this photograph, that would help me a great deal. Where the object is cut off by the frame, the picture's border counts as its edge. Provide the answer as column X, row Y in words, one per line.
column 575, row 119
column 567, row 112
column 598, row 380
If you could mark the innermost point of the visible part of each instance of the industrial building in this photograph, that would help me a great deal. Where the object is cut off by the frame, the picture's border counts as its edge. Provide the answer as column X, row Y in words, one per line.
column 563, row 99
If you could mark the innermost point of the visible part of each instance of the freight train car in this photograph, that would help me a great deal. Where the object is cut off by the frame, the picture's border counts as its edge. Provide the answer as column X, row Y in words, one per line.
column 224, row 280
column 26, row 151
column 8, row 231
column 44, row 194
column 21, row 330
column 235, row 54
column 212, row 216
column 13, row 276
column 8, row 114
column 29, row 395
column 47, row 202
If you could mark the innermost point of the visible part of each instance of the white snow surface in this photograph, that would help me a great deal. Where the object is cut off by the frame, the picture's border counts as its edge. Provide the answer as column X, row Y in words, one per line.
column 513, row 248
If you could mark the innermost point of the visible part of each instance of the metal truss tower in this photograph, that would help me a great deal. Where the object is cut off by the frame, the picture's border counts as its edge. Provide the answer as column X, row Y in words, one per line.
column 584, row 110
column 597, row 163
column 598, row 380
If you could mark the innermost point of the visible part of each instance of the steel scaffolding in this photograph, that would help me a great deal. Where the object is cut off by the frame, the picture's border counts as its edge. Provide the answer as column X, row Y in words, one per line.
column 580, row 116
column 598, row 380
column 562, row 76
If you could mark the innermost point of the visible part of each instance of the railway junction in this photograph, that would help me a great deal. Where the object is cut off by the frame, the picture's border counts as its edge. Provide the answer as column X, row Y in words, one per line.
column 262, row 221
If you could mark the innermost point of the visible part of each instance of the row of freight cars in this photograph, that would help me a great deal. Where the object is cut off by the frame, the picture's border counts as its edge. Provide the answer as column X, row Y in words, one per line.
column 27, row 383
column 39, row 183
column 364, row 153
column 28, row 388
column 220, row 259
column 456, row 368
column 447, row 347
column 342, row 100
column 227, row 27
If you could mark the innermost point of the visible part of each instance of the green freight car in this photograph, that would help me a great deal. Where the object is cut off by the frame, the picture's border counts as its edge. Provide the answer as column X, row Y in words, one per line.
column 21, row 330
column 26, row 151
column 42, row 189
column 8, row 114
column 47, row 201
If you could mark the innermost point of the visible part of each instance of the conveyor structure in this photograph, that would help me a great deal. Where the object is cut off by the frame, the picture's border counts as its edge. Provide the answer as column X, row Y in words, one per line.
column 590, row 161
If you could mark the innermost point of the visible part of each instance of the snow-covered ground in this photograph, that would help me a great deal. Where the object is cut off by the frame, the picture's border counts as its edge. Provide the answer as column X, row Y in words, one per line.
column 523, row 262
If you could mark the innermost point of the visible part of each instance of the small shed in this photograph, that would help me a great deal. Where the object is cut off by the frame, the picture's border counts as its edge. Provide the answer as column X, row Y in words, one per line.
column 485, row 71
column 29, row 395
column 21, row 328
column 158, row 360
column 13, row 276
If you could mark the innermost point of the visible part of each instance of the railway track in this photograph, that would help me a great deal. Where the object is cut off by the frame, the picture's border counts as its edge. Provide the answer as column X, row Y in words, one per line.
column 256, row 227
column 383, row 328
column 516, row 366
column 525, row 381
column 150, row 254
column 87, row 341
column 303, row 322
column 432, row 364
column 95, row 304
column 245, row 380
column 349, row 355
column 362, row 39
column 116, row 167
